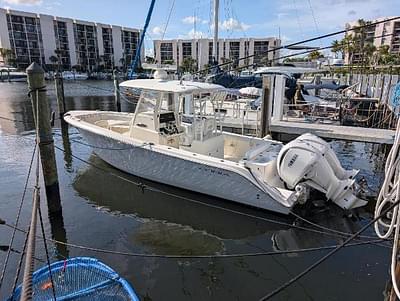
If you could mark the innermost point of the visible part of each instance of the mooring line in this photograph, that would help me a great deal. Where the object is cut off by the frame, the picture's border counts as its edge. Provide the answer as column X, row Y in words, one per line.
column 324, row 258
column 18, row 215
column 165, row 256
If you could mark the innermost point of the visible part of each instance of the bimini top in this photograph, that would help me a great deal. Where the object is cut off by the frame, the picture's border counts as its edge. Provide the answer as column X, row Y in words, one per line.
column 174, row 86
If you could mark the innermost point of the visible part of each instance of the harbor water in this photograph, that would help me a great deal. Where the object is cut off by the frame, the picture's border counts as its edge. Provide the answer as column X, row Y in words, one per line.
column 103, row 208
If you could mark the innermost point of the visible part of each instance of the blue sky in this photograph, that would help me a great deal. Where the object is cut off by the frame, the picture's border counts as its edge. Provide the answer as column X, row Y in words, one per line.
column 294, row 19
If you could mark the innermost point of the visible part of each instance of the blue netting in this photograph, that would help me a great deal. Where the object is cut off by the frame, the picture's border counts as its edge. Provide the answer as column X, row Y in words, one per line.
column 79, row 278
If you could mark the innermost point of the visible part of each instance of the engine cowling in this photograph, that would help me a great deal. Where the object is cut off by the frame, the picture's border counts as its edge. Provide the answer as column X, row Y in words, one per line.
column 309, row 160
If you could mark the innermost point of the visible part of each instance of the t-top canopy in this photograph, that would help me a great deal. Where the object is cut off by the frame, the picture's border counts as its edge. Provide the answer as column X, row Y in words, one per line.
column 174, row 86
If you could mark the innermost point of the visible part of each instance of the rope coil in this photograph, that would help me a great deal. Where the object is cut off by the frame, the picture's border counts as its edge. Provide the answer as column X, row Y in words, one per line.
column 389, row 195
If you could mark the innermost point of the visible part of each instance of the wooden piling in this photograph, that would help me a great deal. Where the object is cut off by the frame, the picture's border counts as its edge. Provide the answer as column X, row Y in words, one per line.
column 116, row 91
column 317, row 83
column 266, row 107
column 41, row 113
column 59, row 85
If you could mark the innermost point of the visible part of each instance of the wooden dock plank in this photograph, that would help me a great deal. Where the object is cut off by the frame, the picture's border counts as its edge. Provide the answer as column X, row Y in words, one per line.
column 334, row 131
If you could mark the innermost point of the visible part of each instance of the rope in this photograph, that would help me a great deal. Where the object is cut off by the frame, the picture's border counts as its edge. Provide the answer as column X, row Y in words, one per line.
column 21, row 121
column 390, row 194
column 168, row 18
column 20, row 264
column 18, row 216
column 26, row 293
column 47, row 251
column 328, row 229
column 164, row 256
column 324, row 258
column 300, row 42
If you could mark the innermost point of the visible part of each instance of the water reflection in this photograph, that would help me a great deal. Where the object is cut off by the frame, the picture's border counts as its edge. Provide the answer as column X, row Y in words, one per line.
column 176, row 223
column 66, row 145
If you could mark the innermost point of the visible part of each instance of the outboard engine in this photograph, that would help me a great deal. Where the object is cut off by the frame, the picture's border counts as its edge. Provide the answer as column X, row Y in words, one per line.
column 309, row 160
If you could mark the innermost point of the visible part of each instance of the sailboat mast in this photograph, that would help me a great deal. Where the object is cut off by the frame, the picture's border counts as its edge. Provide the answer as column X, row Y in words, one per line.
column 215, row 43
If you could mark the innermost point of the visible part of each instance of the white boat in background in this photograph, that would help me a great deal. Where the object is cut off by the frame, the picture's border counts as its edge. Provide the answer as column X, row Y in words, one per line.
column 11, row 74
column 173, row 140
column 71, row 75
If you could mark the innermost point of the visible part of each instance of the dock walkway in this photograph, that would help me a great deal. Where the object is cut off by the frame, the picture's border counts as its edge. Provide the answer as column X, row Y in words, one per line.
column 334, row 131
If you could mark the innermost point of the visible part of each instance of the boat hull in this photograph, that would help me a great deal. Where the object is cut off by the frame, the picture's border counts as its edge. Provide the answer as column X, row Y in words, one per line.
column 145, row 162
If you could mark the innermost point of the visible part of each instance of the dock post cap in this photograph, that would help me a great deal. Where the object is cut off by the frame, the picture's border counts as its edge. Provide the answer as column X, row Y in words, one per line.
column 34, row 68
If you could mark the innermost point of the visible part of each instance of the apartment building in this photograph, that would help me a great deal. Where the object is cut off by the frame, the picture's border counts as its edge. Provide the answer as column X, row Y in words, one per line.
column 76, row 43
column 385, row 33
column 175, row 51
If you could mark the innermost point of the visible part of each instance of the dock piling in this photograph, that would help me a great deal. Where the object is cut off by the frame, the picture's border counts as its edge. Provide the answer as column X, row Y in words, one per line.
column 317, row 83
column 116, row 91
column 41, row 113
column 59, row 85
column 266, row 106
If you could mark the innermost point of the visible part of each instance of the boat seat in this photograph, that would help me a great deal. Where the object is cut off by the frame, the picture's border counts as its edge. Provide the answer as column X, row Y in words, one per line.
column 120, row 128
column 261, row 153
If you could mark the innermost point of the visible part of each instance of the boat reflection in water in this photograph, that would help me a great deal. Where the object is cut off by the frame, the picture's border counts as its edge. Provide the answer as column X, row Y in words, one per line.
column 176, row 221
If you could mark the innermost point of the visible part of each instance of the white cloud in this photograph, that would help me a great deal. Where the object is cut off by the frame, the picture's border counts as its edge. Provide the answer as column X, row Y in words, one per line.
column 157, row 30
column 196, row 34
column 234, row 25
column 23, row 2
column 204, row 22
column 193, row 34
column 191, row 20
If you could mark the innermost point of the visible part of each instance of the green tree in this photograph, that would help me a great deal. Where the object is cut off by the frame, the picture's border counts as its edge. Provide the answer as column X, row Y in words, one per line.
column 227, row 62
column 168, row 62
column 188, row 65
column 337, row 47
column 315, row 55
column 150, row 60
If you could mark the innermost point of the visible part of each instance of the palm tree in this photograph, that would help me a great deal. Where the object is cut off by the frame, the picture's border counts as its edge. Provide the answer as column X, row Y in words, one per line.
column 188, row 65
column 348, row 47
column 383, row 54
column 369, row 50
column 337, row 47
column 314, row 55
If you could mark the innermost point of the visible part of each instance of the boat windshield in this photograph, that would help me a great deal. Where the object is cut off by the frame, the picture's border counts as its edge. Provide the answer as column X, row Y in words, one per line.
column 148, row 101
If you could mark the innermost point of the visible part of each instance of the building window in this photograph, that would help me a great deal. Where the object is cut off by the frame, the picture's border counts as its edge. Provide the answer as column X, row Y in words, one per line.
column 186, row 50
column 260, row 52
column 210, row 52
column 234, row 50
column 25, row 39
column 130, row 40
column 87, row 51
column 61, row 35
column 108, row 58
column 166, row 53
